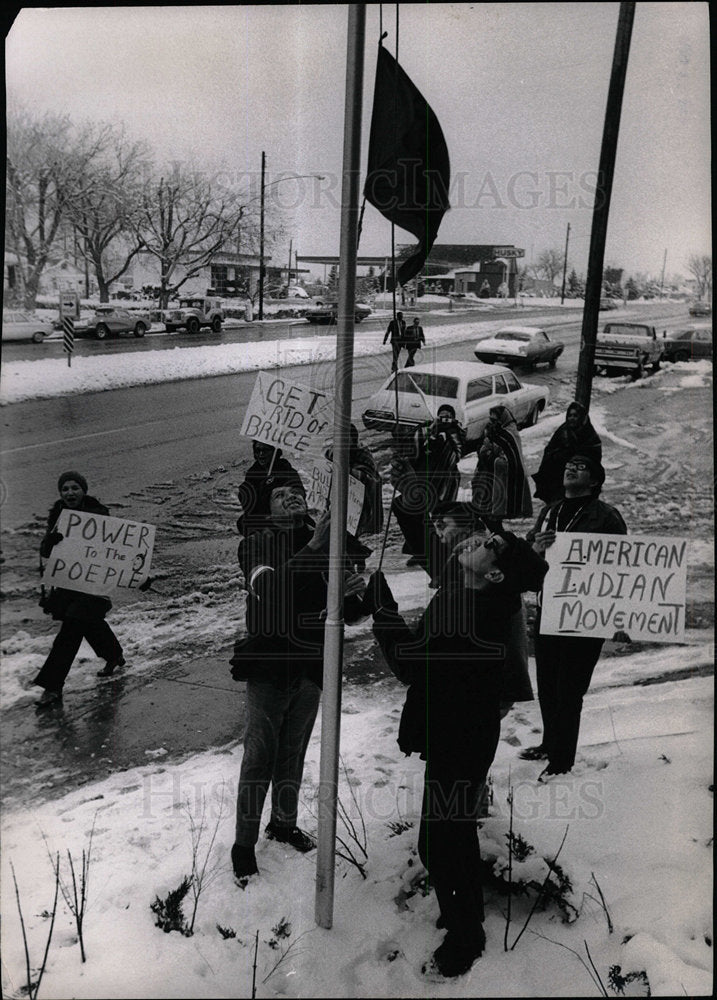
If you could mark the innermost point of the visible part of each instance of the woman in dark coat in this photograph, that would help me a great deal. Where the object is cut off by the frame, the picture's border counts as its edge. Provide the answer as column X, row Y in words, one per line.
column 82, row 615
column 453, row 663
column 577, row 434
column 500, row 485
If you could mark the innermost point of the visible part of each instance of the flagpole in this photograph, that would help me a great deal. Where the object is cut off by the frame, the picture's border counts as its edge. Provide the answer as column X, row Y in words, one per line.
column 334, row 630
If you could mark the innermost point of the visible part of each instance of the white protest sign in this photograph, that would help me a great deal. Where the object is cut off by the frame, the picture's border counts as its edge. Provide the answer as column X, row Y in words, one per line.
column 319, row 489
column 287, row 415
column 601, row 584
column 99, row 554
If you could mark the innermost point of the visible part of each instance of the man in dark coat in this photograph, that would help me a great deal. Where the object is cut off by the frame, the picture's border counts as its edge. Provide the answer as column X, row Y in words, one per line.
column 499, row 486
column 396, row 333
column 82, row 615
column 453, row 665
column 565, row 663
column 575, row 435
column 414, row 338
column 281, row 660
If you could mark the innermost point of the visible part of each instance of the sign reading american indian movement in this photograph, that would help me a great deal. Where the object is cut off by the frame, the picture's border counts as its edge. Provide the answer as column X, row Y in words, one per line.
column 99, row 554
column 287, row 415
column 598, row 585
column 319, row 489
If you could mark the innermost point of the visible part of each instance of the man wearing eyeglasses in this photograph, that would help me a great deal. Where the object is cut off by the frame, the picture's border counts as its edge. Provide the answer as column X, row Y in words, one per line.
column 565, row 664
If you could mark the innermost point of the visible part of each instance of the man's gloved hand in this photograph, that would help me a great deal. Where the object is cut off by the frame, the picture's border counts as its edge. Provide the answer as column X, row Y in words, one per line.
column 378, row 596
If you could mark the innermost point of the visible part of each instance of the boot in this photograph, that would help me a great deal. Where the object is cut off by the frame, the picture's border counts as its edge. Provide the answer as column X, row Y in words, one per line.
column 243, row 861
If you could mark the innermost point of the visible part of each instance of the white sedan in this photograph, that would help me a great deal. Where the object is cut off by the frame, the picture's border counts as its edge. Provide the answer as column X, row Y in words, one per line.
column 18, row 324
column 469, row 387
column 519, row 345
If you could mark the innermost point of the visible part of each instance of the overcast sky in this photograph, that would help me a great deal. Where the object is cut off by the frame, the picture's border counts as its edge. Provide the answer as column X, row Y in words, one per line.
column 519, row 89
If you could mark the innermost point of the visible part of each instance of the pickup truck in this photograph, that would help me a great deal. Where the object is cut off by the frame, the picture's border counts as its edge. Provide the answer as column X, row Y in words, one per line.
column 194, row 313
column 627, row 347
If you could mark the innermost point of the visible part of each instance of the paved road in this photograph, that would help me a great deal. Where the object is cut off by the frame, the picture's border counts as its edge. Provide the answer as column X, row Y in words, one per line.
column 132, row 438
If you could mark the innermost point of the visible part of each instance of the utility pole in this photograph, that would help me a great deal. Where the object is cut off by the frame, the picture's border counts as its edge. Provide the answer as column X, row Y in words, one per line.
column 565, row 265
column 601, row 209
column 662, row 279
column 261, row 238
column 288, row 273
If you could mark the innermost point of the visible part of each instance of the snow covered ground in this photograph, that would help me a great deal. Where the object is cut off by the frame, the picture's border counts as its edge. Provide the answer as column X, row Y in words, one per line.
column 638, row 806
column 638, row 814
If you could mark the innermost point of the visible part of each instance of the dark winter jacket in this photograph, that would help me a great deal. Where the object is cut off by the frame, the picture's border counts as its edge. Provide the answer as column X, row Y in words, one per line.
column 363, row 467
column 564, row 443
column 62, row 603
column 286, row 602
column 453, row 664
column 579, row 514
column 499, row 486
column 396, row 332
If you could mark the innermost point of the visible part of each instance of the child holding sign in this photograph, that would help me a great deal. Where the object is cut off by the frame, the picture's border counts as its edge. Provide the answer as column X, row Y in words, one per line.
column 82, row 615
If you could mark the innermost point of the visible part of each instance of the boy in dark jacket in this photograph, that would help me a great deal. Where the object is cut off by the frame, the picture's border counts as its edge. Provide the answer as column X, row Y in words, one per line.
column 281, row 659
column 82, row 615
column 453, row 665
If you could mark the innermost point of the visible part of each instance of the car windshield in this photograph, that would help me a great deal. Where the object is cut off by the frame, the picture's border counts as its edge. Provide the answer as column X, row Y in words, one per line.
column 509, row 335
column 427, row 383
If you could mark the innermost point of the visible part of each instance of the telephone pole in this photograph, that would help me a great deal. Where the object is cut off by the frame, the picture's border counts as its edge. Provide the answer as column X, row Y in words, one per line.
column 565, row 264
column 662, row 279
column 601, row 208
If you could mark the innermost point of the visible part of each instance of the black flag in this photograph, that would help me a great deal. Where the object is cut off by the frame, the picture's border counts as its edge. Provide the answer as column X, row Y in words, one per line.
column 408, row 172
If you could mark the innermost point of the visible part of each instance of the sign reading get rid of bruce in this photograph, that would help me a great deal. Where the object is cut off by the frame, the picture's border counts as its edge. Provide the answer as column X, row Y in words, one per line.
column 598, row 585
column 99, row 554
column 287, row 415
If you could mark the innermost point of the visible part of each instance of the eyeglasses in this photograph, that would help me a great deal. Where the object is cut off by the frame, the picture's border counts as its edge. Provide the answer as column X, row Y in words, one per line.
column 577, row 466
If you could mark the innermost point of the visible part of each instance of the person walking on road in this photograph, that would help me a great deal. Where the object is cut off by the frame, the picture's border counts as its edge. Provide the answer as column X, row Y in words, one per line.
column 82, row 615
column 565, row 663
column 414, row 338
column 281, row 660
column 396, row 334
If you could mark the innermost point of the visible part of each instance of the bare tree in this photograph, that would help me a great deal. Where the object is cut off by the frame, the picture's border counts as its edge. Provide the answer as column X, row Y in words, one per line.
column 105, row 201
column 700, row 267
column 39, row 168
column 183, row 222
column 549, row 264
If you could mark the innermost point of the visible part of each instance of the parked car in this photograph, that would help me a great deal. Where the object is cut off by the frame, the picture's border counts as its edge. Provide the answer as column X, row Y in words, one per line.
column 327, row 312
column 519, row 345
column 606, row 303
column 193, row 313
column 18, row 324
column 700, row 309
column 469, row 387
column 111, row 321
column 689, row 343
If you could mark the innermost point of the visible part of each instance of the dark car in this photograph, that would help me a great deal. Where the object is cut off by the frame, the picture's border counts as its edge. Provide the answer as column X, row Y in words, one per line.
column 700, row 309
column 110, row 321
column 327, row 312
column 690, row 343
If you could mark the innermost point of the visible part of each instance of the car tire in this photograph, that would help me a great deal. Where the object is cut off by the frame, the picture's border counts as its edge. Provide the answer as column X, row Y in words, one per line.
column 217, row 325
column 357, row 319
column 655, row 366
column 101, row 331
column 169, row 328
column 681, row 356
column 636, row 373
column 38, row 337
column 193, row 325
column 140, row 329
column 534, row 415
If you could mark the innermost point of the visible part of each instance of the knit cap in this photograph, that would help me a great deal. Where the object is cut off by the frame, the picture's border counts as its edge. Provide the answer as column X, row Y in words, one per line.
column 76, row 477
